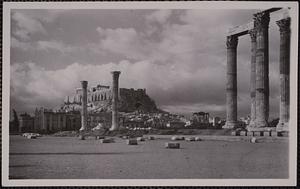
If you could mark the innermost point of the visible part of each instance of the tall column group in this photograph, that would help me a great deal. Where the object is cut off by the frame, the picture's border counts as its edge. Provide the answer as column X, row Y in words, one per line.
column 259, row 86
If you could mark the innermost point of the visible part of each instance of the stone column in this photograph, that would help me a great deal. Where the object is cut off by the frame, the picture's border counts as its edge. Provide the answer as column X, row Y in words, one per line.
column 231, row 86
column 84, row 106
column 115, row 100
column 284, row 69
column 261, row 23
column 253, row 76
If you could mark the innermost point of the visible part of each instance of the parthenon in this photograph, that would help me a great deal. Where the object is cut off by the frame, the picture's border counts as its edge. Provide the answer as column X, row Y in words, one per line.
column 259, row 77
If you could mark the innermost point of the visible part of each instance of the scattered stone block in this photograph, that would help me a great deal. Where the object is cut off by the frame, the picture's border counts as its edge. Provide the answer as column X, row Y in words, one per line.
column 140, row 139
column 250, row 133
column 257, row 133
column 125, row 137
column 106, row 140
column 31, row 136
column 198, row 139
column 267, row 133
column 274, row 133
column 99, row 137
column 174, row 145
column 190, row 139
column 132, row 142
column 234, row 133
column 243, row 133
column 283, row 134
column 81, row 137
column 253, row 140
column 151, row 138
column 177, row 138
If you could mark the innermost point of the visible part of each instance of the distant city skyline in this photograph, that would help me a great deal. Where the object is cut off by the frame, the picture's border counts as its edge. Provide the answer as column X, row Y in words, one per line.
column 178, row 56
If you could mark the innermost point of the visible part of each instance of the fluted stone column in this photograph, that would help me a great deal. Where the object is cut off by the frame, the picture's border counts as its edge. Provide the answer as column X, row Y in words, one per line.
column 261, row 23
column 115, row 100
column 231, row 86
column 252, row 34
column 84, row 106
column 284, row 69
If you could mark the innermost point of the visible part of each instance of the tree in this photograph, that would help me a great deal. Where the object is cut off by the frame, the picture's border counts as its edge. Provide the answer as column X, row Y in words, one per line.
column 15, row 121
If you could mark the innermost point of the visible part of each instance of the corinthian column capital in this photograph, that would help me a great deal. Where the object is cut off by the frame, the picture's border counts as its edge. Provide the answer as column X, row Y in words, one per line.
column 284, row 25
column 231, row 42
column 261, row 20
column 252, row 34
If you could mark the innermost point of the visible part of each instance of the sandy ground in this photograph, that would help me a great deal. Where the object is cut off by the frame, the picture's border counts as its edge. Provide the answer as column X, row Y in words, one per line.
column 70, row 158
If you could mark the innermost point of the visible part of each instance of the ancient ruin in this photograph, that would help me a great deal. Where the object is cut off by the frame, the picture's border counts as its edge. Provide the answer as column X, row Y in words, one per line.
column 115, row 100
column 84, row 106
column 258, row 31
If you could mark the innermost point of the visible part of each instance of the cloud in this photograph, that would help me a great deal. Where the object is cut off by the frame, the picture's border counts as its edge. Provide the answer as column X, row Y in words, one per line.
column 124, row 41
column 26, row 26
column 181, row 62
column 56, row 45
column 15, row 43
column 159, row 16
column 31, row 83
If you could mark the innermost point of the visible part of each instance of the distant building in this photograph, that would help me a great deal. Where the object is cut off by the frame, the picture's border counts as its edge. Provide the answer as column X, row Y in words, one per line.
column 200, row 119
column 175, row 124
column 104, row 118
column 26, row 123
column 215, row 121
column 99, row 99
column 46, row 121
column 49, row 121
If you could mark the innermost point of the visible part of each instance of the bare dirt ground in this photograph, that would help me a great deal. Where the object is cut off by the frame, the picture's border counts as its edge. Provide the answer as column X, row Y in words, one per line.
column 70, row 158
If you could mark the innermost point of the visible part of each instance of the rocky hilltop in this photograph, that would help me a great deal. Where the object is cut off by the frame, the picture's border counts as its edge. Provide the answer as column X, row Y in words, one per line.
column 100, row 100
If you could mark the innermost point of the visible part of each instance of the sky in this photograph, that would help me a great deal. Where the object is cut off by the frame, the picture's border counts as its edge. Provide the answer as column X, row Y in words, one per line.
column 178, row 56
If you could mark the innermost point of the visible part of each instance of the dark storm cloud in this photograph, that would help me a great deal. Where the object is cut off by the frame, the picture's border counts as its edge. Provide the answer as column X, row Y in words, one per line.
column 179, row 56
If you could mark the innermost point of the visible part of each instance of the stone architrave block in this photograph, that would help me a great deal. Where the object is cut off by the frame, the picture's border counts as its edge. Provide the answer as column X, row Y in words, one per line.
column 173, row 145
column 190, row 139
column 267, row 133
column 99, row 137
column 257, row 133
column 253, row 140
column 140, row 139
column 132, row 142
column 177, row 138
column 81, row 137
column 106, row 140
column 243, row 133
column 198, row 139
column 250, row 133
column 31, row 137
column 125, row 137
column 234, row 133
column 274, row 133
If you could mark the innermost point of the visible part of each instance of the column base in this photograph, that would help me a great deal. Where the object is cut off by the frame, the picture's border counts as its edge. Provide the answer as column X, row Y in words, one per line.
column 261, row 129
column 251, row 125
column 262, row 123
column 282, row 126
column 113, row 128
column 230, row 125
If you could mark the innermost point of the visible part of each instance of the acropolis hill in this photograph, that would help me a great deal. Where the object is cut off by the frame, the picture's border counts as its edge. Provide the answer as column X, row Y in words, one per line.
column 100, row 100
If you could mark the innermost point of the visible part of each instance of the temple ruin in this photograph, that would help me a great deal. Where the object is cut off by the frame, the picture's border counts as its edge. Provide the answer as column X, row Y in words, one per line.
column 115, row 100
column 259, row 79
